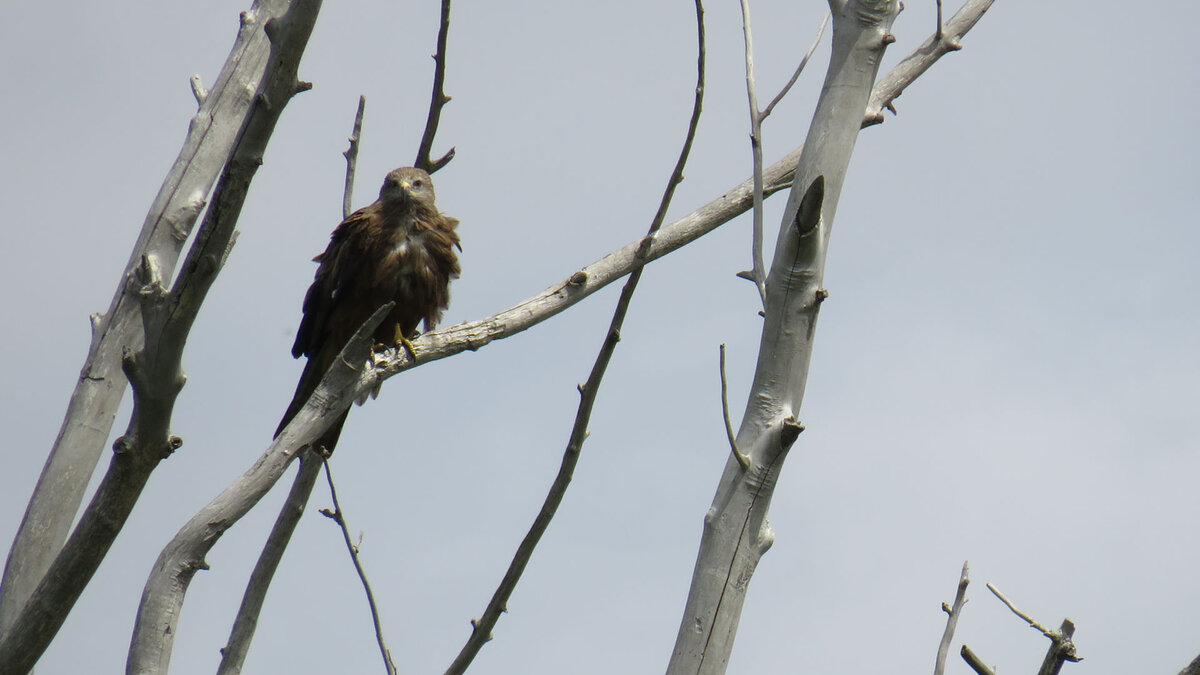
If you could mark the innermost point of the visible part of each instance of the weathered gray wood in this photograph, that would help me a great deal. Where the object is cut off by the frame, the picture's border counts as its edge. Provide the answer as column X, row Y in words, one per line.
column 101, row 385
column 154, row 369
column 736, row 532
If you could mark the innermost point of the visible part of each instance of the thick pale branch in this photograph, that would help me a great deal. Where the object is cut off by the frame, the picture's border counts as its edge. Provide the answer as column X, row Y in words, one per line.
column 736, row 533
column 154, row 370
column 101, row 385
column 233, row 654
column 162, row 598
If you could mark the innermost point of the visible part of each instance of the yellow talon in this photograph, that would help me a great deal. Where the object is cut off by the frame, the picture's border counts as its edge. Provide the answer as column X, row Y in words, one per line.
column 400, row 340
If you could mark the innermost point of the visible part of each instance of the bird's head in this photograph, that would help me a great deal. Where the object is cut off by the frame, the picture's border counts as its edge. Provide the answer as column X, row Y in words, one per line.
column 407, row 185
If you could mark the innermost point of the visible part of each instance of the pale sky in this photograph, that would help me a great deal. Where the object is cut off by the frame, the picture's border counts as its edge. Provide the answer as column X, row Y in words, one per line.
column 1005, row 371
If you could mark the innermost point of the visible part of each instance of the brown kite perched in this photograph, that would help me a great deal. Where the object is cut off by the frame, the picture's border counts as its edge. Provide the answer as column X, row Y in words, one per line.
column 399, row 249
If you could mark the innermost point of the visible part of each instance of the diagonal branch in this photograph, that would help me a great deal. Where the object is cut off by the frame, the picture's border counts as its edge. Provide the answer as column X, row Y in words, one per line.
column 437, row 101
column 245, row 622
column 93, row 405
column 162, row 598
column 233, row 654
column 1062, row 649
column 481, row 630
column 890, row 86
column 799, row 69
column 154, row 371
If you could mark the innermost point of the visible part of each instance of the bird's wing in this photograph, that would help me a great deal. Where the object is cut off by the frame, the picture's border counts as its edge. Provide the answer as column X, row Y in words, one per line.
column 337, row 268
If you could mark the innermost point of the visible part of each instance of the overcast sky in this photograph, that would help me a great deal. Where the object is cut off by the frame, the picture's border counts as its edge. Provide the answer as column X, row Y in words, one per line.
column 1006, row 370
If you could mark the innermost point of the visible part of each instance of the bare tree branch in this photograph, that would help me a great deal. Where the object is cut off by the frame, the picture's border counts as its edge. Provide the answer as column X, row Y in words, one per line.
column 953, row 613
column 1062, row 649
column 1028, row 619
column 736, row 531
column 758, row 273
column 154, row 369
column 975, row 662
column 101, row 384
column 889, row 87
column 437, row 101
column 799, row 69
column 351, row 155
column 742, row 459
column 481, row 630
column 233, row 654
column 162, row 598
column 340, row 518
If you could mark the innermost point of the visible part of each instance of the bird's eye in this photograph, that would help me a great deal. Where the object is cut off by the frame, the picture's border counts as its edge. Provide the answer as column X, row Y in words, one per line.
column 418, row 183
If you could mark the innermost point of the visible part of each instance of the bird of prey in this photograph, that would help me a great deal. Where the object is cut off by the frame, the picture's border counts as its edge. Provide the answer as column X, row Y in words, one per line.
column 399, row 249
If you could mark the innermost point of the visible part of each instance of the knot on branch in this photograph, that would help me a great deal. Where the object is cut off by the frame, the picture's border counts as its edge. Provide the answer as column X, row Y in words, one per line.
column 173, row 444
column 790, row 432
column 123, row 445
column 808, row 215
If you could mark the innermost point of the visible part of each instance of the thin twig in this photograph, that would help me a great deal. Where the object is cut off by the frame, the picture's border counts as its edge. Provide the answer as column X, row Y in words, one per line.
column 742, row 459
column 1028, row 619
column 975, row 662
column 1062, row 649
column 437, row 101
column 940, row 31
column 481, row 631
column 338, row 517
column 799, row 69
column 233, row 654
column 351, row 155
column 960, row 599
column 758, row 270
